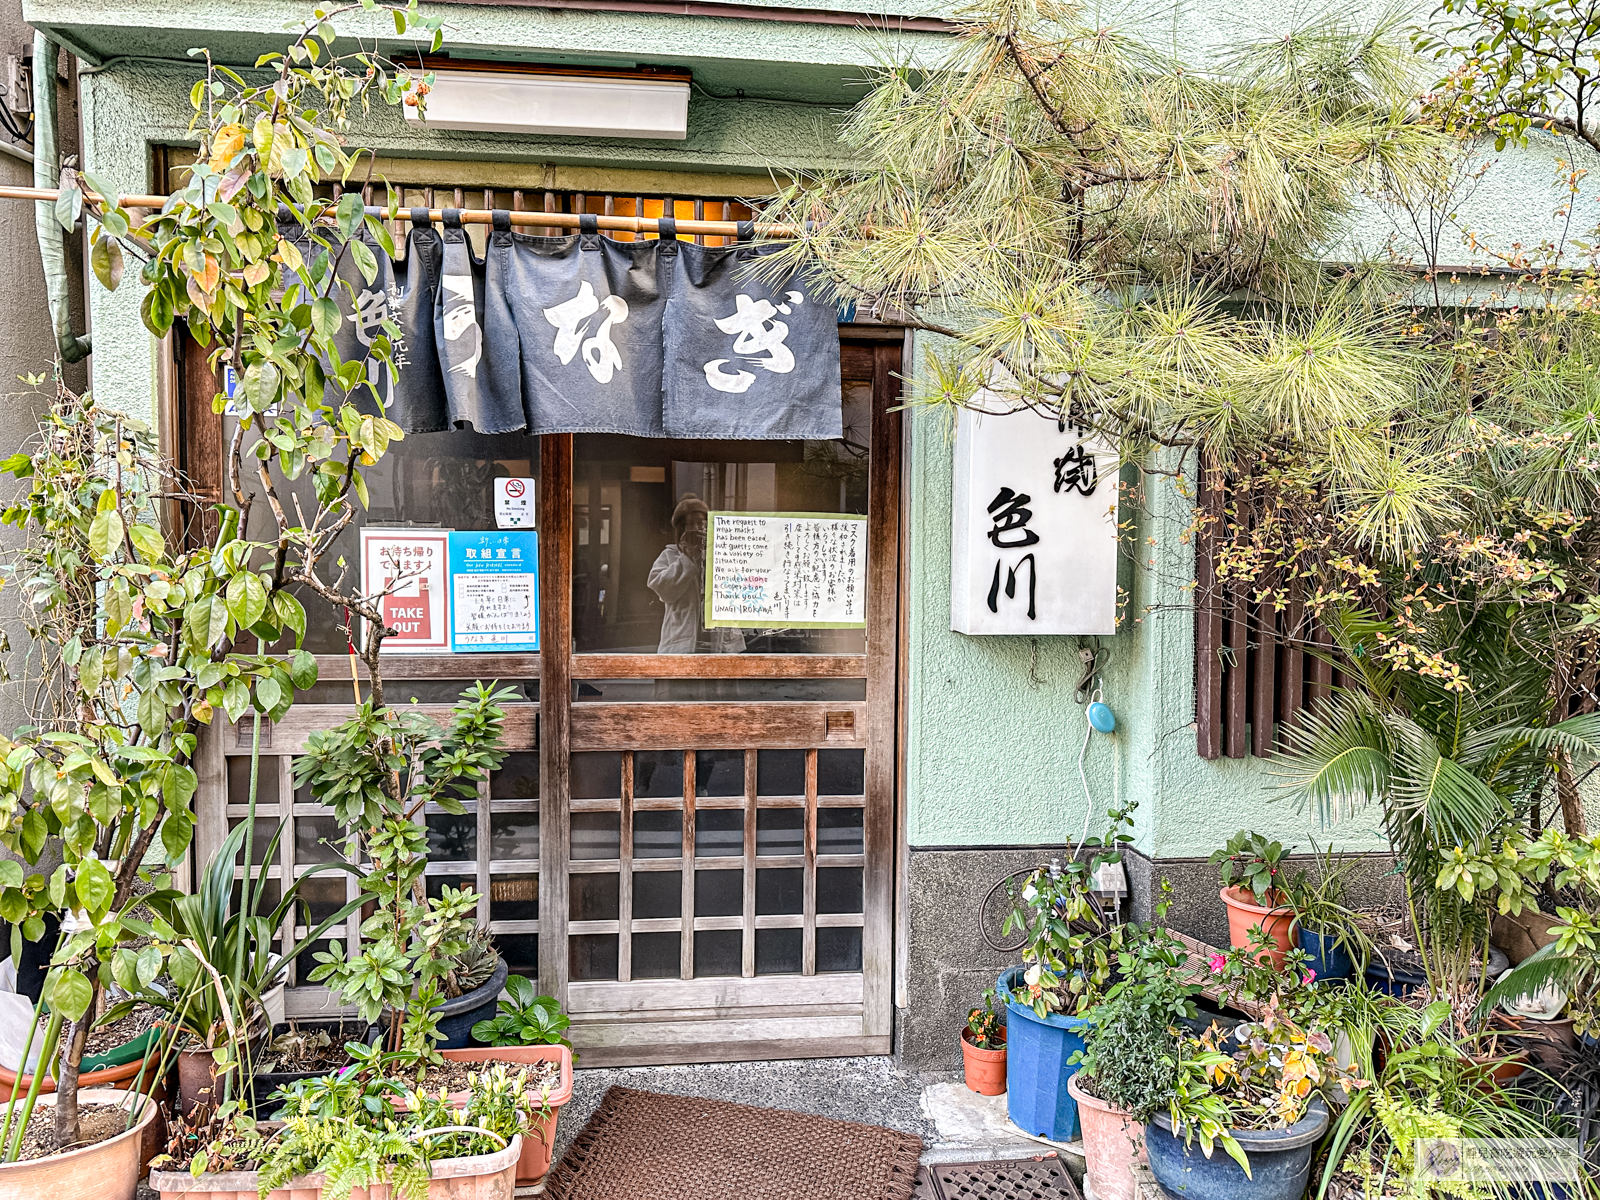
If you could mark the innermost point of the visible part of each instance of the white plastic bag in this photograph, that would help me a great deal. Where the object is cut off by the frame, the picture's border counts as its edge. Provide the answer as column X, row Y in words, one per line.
column 16, row 1014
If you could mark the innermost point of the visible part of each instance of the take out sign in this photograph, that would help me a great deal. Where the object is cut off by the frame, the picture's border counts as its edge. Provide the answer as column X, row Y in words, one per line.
column 410, row 567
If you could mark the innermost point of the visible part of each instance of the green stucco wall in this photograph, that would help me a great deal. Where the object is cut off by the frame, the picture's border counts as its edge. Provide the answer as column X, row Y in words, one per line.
column 994, row 728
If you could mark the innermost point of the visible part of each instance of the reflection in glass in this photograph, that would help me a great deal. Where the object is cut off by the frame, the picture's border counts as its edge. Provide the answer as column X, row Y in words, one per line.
column 596, row 834
column 639, row 510
column 841, row 772
column 657, row 955
column 593, row 897
column 718, row 893
column 718, row 952
column 261, row 835
column 780, row 892
column 517, row 778
column 320, row 897
column 271, row 893
column 657, row 833
column 596, row 775
column 266, row 778
column 838, row 950
column 719, row 833
column 719, row 773
column 838, row 889
column 780, row 831
column 657, row 895
column 514, row 835
column 306, row 961
column 657, row 773
column 840, row 831
column 780, row 772
column 521, row 952
column 592, row 956
column 442, row 480
column 514, row 898
column 452, row 837
column 318, row 840
column 778, row 951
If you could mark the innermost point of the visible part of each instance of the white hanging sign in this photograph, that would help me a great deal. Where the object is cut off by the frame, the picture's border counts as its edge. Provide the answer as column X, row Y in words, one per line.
column 1034, row 538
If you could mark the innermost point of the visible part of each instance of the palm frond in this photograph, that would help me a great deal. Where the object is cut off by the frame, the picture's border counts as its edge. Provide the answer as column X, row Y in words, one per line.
column 1338, row 758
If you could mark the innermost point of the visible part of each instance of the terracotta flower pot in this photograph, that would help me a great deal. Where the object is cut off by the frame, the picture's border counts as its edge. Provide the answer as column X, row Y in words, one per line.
column 107, row 1170
column 121, row 1077
column 539, row 1143
column 1113, row 1144
column 481, row 1177
column 986, row 1069
column 1244, row 914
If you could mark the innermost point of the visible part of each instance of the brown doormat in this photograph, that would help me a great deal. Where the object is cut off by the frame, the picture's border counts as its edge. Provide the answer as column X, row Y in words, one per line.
column 650, row 1146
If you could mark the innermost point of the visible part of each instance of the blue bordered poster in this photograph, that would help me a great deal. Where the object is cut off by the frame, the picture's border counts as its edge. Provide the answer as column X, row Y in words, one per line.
column 494, row 590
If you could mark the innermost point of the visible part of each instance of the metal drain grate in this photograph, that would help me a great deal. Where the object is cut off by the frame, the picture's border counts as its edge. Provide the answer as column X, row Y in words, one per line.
column 1003, row 1179
column 924, row 1188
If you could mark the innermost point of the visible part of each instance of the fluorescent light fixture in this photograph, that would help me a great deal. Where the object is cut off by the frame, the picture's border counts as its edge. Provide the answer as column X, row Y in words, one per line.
column 593, row 105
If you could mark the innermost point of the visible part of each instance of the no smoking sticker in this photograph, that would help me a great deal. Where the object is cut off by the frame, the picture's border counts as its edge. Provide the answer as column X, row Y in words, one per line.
column 514, row 503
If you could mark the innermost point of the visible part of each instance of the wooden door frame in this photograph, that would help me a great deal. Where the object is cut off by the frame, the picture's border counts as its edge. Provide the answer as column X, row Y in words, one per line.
column 195, row 439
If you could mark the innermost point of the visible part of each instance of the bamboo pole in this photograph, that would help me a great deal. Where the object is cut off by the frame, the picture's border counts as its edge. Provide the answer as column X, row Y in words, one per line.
column 469, row 216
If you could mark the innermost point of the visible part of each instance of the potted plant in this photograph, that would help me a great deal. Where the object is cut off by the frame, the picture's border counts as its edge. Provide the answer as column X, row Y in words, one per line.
column 377, row 771
column 339, row 1133
column 1130, row 1059
column 1258, row 1095
column 983, row 1048
column 528, row 1029
column 1253, row 892
column 1067, row 962
column 1326, row 927
column 213, row 992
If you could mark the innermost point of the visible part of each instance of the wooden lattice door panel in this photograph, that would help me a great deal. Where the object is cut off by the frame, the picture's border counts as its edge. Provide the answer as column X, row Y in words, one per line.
column 724, row 864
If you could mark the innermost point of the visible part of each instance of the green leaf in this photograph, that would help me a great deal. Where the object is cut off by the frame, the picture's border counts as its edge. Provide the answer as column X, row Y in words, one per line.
column 268, row 694
column 148, row 542
column 105, row 256
column 246, row 598
column 69, row 203
column 58, row 886
column 350, row 213
column 10, row 873
column 71, row 994
column 325, row 318
column 148, row 966
column 303, row 669
column 105, row 534
column 176, row 832
column 178, row 784
column 365, row 260
column 235, row 699
column 94, row 885
column 125, row 970
column 34, row 832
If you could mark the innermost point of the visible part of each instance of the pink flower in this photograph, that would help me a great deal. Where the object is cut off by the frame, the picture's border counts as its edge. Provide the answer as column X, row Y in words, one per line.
column 1216, row 962
column 1308, row 976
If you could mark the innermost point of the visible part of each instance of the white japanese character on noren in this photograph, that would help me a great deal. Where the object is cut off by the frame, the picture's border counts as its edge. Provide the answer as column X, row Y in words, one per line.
column 571, row 321
column 754, row 321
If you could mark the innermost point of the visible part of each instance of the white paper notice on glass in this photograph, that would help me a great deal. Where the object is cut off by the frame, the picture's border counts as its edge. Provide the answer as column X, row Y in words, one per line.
column 409, row 566
column 798, row 570
column 514, row 504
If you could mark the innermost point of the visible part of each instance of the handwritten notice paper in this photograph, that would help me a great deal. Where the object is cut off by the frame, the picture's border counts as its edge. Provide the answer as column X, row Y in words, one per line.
column 799, row 570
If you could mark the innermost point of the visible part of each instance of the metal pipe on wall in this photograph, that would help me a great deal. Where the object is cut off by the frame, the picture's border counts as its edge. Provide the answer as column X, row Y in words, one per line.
column 46, row 175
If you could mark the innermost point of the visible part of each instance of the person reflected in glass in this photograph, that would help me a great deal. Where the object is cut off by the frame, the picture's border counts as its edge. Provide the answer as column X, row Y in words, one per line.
column 678, row 578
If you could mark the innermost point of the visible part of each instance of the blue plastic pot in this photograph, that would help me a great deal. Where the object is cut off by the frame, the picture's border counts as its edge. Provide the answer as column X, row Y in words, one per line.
column 1280, row 1160
column 1037, row 1050
column 1329, row 959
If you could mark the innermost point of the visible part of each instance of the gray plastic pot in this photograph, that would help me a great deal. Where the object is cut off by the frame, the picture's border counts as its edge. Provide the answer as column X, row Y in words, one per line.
column 458, row 1016
column 1280, row 1160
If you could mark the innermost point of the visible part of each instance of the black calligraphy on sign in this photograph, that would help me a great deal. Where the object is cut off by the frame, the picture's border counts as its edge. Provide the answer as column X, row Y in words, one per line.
column 1076, row 471
column 1011, row 585
column 1011, row 517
